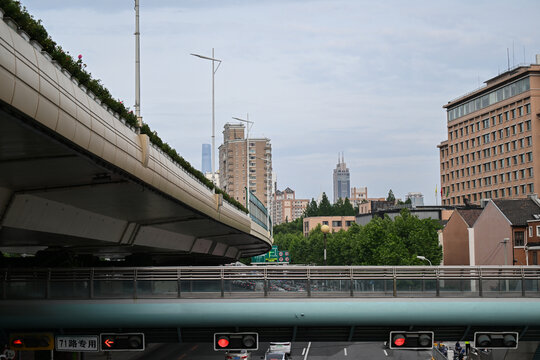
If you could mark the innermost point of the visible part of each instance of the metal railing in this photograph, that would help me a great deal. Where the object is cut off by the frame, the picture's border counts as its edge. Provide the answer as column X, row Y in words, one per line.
column 270, row 281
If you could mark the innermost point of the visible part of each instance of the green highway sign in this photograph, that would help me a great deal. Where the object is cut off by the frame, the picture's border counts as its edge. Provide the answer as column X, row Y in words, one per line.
column 274, row 256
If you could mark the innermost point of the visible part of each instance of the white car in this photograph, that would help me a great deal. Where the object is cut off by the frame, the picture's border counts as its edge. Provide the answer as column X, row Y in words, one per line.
column 238, row 355
column 280, row 347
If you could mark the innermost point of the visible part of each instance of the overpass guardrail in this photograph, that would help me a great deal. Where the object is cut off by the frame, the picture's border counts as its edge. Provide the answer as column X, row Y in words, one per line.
column 270, row 281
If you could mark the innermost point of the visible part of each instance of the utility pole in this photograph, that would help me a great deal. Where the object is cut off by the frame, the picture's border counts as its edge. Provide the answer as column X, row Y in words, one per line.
column 505, row 241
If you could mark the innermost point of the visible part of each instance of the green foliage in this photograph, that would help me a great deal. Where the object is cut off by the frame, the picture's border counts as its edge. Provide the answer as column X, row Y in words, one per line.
column 77, row 68
column 391, row 196
column 382, row 241
column 289, row 227
column 340, row 208
column 325, row 207
column 312, row 209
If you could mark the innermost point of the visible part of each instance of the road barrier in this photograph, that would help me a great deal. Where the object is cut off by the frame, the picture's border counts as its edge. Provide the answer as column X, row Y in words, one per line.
column 271, row 281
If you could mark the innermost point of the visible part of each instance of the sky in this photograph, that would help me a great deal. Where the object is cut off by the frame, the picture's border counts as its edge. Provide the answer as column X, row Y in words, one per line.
column 317, row 77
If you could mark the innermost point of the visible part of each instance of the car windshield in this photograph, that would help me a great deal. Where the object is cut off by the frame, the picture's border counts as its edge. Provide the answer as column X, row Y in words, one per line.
column 275, row 356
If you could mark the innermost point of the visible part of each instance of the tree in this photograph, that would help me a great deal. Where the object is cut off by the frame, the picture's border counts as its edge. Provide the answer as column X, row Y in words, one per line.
column 382, row 241
column 312, row 209
column 348, row 209
column 337, row 208
column 391, row 196
column 289, row 227
column 325, row 208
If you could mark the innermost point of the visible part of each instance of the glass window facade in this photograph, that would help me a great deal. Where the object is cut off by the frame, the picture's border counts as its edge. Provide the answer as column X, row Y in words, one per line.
column 488, row 99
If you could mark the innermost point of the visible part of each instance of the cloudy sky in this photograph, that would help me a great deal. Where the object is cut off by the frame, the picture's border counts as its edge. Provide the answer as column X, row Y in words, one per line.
column 317, row 77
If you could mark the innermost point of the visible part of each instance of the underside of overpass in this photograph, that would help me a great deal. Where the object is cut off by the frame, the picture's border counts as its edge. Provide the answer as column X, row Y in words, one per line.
column 73, row 208
column 277, row 320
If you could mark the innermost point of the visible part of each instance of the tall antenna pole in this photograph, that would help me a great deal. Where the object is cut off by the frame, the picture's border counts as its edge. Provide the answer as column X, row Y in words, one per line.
column 137, row 69
column 213, row 122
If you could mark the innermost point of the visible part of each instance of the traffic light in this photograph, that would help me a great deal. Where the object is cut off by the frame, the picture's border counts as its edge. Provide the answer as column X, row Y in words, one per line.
column 122, row 342
column 236, row 341
column 496, row 340
column 31, row 341
column 411, row 340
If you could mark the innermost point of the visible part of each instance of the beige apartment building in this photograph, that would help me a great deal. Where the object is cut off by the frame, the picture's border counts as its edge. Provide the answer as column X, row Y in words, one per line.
column 286, row 207
column 336, row 223
column 232, row 164
column 358, row 195
column 491, row 150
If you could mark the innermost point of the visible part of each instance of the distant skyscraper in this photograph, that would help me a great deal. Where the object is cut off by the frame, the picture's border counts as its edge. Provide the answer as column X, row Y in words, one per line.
column 342, row 180
column 206, row 166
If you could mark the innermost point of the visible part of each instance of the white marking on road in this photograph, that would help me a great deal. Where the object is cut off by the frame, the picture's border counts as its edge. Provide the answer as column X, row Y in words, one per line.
column 345, row 349
column 385, row 353
column 303, row 351
column 307, row 351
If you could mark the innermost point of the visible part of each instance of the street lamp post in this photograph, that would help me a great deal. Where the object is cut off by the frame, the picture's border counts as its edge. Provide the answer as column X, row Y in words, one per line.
column 249, row 124
column 137, row 69
column 505, row 242
column 214, row 70
column 424, row 258
column 325, row 229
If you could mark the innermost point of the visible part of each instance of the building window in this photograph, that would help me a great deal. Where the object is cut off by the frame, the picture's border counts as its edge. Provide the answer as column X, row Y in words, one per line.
column 530, row 231
column 336, row 223
column 325, row 222
column 519, row 238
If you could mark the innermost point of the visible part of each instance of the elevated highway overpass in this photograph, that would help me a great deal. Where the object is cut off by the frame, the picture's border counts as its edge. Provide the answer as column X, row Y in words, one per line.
column 75, row 176
column 284, row 303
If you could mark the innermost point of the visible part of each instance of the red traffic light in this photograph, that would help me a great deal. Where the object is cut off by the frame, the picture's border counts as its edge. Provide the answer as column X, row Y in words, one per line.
column 229, row 341
column 411, row 340
column 122, row 342
column 109, row 343
column 31, row 341
column 399, row 340
column 17, row 342
column 223, row 341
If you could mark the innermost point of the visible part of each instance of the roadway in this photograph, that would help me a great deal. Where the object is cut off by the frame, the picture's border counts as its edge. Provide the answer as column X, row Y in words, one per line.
column 300, row 351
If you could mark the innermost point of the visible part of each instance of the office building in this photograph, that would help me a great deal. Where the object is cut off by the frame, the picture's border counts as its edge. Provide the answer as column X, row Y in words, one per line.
column 286, row 207
column 490, row 150
column 233, row 169
column 206, row 162
column 342, row 180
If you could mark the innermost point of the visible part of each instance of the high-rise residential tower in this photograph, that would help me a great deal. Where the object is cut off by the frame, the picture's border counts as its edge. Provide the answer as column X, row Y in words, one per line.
column 206, row 163
column 342, row 180
column 492, row 149
column 232, row 164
